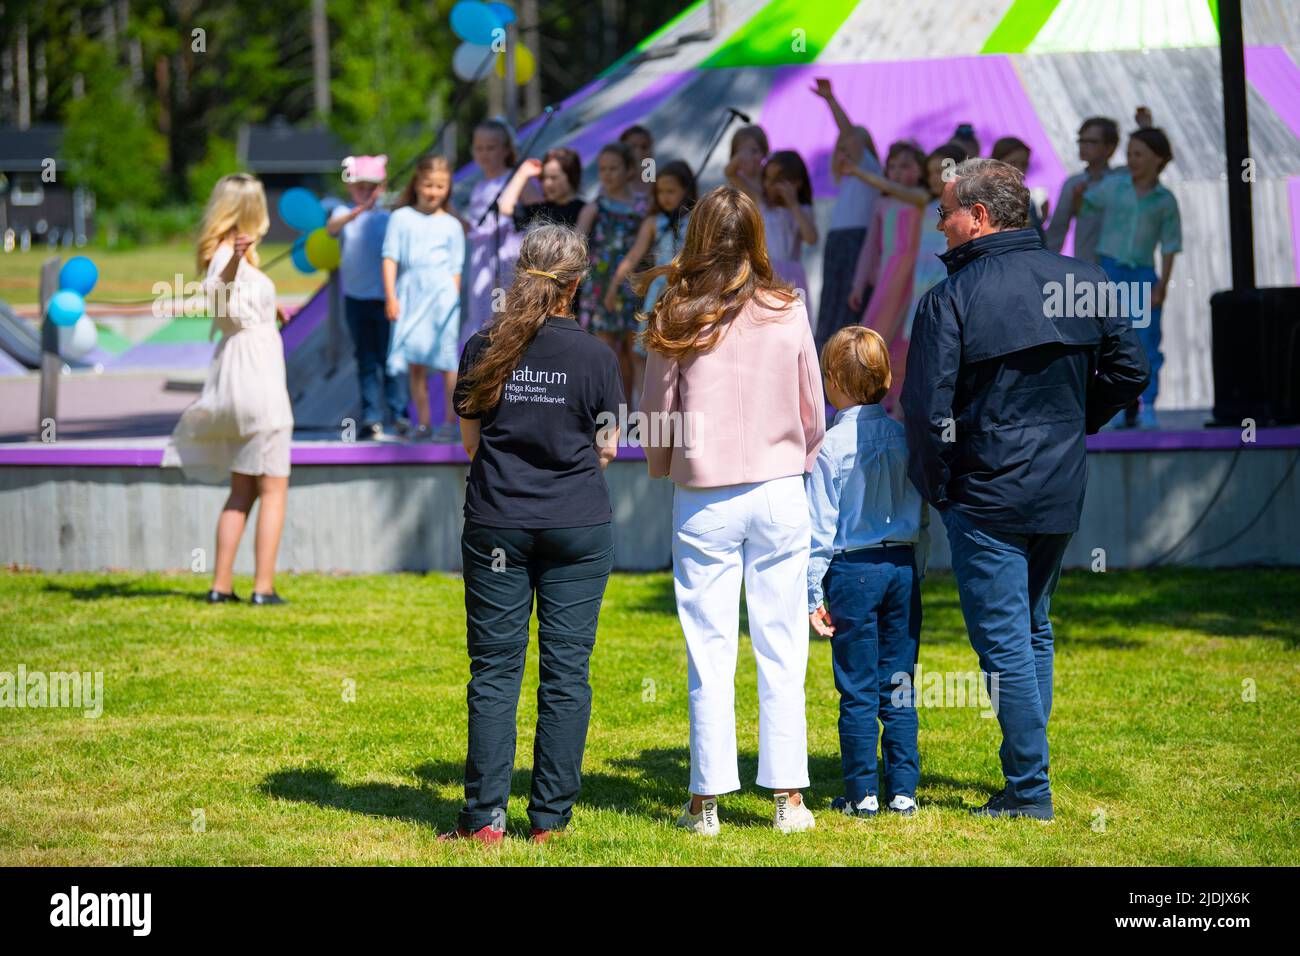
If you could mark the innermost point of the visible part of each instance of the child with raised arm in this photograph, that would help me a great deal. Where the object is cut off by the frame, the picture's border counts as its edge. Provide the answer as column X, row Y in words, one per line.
column 360, row 227
column 888, row 258
column 611, row 221
column 560, row 172
column 664, row 231
column 867, row 558
column 850, row 217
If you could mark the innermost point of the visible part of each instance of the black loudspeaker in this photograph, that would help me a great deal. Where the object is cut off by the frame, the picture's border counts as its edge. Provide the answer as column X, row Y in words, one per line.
column 1256, row 355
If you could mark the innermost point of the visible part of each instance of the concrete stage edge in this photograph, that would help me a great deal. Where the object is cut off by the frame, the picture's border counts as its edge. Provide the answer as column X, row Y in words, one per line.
column 91, row 506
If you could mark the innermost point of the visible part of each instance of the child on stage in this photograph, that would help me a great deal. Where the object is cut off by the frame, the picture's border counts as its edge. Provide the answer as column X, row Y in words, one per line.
column 642, row 144
column 868, row 553
column 664, row 231
column 424, row 251
column 611, row 221
column 493, row 246
column 788, row 220
column 1138, row 213
column 561, row 174
column 360, row 228
column 888, row 258
column 850, row 217
column 749, row 149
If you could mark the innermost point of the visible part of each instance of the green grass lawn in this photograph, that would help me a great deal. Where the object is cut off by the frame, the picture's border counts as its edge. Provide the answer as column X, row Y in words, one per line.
column 240, row 712
column 130, row 274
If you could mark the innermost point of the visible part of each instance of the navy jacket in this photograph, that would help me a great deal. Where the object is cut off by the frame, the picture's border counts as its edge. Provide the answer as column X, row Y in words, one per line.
column 1002, row 383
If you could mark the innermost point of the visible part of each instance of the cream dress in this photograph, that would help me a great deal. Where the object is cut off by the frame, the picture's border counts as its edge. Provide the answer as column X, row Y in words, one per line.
column 243, row 420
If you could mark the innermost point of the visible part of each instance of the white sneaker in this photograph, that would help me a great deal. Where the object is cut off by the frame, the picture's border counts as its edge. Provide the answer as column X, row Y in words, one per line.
column 903, row 805
column 704, row 823
column 792, row 817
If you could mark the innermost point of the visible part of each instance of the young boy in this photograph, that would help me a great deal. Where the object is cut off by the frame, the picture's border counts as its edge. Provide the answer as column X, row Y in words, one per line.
column 869, row 545
column 360, row 227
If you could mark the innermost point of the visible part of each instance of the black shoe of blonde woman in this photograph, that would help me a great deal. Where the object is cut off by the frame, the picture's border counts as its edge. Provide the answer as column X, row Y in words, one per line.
column 223, row 597
column 262, row 600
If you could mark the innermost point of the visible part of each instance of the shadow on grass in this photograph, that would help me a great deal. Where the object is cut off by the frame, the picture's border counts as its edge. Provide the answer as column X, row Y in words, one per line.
column 322, row 787
column 1263, row 602
column 653, row 783
column 119, row 589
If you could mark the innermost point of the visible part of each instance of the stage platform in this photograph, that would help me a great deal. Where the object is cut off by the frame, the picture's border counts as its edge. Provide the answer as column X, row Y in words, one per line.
column 86, row 505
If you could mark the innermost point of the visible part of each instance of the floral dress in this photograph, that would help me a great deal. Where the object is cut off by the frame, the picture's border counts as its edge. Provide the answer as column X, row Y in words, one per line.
column 612, row 235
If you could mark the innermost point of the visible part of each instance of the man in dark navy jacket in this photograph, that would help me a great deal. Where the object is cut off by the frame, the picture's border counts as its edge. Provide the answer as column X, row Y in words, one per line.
column 1013, row 358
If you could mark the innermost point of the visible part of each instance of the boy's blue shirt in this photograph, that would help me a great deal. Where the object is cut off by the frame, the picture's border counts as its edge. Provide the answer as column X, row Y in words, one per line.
column 361, row 258
column 859, row 494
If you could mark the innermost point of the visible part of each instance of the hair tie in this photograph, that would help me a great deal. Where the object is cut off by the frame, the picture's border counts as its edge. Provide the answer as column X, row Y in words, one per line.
column 544, row 275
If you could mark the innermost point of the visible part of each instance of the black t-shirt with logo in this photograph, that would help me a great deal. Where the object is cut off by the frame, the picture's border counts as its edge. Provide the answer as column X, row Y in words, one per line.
column 536, row 465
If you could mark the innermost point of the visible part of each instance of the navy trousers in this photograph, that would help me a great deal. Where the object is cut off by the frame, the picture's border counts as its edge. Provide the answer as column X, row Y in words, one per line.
column 566, row 570
column 1005, row 583
column 383, row 396
column 874, row 600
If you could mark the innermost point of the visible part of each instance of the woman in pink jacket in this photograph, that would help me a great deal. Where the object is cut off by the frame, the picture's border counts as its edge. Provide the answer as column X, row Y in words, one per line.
column 734, row 400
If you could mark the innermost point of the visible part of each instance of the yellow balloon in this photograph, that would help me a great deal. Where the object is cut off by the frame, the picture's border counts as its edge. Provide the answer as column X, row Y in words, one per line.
column 525, row 65
column 322, row 249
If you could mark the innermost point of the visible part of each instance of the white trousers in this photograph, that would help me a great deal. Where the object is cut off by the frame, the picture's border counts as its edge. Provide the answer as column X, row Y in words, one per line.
column 757, row 534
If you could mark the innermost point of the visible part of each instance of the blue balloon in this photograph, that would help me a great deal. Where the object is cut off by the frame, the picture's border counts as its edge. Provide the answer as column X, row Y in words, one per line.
column 65, row 307
column 503, row 12
column 78, row 274
column 474, row 22
column 299, row 256
column 300, row 209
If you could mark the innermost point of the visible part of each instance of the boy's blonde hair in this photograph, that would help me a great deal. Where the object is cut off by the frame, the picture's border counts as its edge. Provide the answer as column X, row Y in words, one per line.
column 856, row 361
column 237, row 205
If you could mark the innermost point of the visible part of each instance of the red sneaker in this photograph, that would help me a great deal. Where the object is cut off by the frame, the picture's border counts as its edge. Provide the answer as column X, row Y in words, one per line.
column 485, row 834
column 545, row 836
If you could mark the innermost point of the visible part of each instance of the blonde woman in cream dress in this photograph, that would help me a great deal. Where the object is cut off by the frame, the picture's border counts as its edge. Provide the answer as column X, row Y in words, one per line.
column 241, row 425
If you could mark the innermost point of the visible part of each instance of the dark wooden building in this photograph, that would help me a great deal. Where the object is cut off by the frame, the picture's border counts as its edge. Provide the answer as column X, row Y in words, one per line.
column 284, row 156
column 37, row 206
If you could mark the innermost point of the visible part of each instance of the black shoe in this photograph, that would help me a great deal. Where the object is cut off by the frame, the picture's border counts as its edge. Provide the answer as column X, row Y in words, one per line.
column 222, row 597
column 1002, row 805
column 264, row 599
column 373, row 431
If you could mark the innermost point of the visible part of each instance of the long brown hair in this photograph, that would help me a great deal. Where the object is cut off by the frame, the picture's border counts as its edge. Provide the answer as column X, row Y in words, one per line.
column 429, row 163
column 551, row 260
column 723, row 264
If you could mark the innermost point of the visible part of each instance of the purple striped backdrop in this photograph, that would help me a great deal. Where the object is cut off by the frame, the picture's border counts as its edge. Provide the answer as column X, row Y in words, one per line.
column 923, row 100
column 1275, row 75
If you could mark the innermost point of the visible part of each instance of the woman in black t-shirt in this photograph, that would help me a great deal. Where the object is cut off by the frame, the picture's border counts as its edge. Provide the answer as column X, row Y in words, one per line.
column 539, row 404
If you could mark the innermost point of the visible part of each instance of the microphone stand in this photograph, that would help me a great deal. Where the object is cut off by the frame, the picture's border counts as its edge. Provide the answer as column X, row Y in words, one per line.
column 495, row 206
column 731, row 116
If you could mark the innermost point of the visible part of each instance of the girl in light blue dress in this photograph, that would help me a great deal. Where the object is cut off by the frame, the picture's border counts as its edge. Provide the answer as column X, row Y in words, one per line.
column 424, row 251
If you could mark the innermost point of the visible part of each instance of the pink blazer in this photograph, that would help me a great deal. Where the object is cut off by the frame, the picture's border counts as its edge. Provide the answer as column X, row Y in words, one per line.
column 750, row 410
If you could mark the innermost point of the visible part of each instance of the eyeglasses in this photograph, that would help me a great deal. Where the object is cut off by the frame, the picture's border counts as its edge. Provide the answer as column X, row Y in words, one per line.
column 945, row 213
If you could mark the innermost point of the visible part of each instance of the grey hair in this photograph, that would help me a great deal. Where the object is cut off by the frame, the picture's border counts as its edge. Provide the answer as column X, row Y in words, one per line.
column 998, row 187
